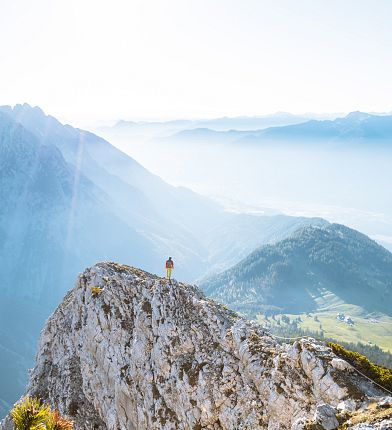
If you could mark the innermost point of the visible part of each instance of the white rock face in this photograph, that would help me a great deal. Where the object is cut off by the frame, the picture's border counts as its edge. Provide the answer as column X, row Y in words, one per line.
column 383, row 425
column 148, row 355
column 340, row 364
column 347, row 405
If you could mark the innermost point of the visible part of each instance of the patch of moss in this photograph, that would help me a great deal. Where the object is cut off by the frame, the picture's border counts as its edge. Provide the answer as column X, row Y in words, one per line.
column 96, row 291
column 228, row 392
column 147, row 307
column 381, row 375
column 192, row 372
column 155, row 392
column 124, row 370
column 106, row 308
column 165, row 414
column 255, row 344
column 120, row 268
column 127, row 324
column 313, row 426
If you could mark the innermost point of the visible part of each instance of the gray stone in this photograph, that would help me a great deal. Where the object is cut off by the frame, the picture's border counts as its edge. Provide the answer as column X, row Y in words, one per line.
column 7, row 424
column 382, row 425
column 347, row 405
column 385, row 402
column 144, row 354
column 340, row 364
column 299, row 424
column 325, row 416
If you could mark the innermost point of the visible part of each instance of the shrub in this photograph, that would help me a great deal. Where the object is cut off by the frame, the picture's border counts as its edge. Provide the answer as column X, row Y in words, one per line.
column 32, row 414
column 379, row 374
column 96, row 291
column 57, row 422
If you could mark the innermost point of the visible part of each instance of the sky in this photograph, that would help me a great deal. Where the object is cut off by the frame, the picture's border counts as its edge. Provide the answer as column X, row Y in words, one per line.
column 97, row 60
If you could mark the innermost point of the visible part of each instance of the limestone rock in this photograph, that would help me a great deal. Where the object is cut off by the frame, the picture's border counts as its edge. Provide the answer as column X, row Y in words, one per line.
column 382, row 425
column 325, row 416
column 146, row 355
column 340, row 364
column 347, row 405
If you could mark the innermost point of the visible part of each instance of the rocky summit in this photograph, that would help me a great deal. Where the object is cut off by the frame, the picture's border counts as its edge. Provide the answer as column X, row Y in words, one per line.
column 127, row 350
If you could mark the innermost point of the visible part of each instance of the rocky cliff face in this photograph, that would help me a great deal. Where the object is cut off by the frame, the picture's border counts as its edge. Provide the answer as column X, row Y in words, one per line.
column 144, row 354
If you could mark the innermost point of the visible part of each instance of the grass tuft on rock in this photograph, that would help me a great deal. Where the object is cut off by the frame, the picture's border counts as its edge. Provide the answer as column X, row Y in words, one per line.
column 57, row 422
column 31, row 414
column 96, row 291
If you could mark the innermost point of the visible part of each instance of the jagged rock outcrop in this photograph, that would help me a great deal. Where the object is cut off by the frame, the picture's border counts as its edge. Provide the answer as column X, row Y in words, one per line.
column 144, row 354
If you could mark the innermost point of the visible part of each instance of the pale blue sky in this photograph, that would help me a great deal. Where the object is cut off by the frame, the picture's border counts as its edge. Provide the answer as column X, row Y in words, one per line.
column 83, row 60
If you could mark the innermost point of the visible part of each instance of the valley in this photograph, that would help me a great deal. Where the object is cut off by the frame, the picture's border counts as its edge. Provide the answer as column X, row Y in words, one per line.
column 371, row 329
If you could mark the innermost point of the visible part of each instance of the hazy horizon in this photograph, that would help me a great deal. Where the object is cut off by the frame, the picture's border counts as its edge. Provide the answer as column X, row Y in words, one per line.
column 96, row 123
column 297, row 181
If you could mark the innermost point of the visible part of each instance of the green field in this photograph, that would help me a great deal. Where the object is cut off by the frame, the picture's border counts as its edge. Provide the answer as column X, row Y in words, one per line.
column 368, row 328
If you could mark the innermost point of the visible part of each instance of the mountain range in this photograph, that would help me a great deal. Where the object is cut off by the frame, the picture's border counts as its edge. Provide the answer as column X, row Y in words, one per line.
column 165, row 128
column 69, row 199
column 356, row 126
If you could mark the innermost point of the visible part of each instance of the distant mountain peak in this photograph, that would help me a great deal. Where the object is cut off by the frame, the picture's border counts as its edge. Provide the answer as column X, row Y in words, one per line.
column 26, row 107
column 356, row 127
column 358, row 115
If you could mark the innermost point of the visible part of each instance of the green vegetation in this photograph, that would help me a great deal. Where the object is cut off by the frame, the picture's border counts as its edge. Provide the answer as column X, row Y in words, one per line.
column 373, row 414
column 57, row 422
column 299, row 285
column 379, row 374
column 32, row 414
column 96, row 291
column 291, row 275
column 291, row 326
column 368, row 328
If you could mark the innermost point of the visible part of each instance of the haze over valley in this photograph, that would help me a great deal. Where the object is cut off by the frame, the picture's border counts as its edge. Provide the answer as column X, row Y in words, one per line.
column 338, row 169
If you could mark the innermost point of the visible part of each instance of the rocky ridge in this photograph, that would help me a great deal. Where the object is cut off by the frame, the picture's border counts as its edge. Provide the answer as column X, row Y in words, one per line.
column 142, row 354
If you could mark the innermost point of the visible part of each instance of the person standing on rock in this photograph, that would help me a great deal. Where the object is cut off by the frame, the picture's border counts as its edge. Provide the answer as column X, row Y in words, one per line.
column 169, row 268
